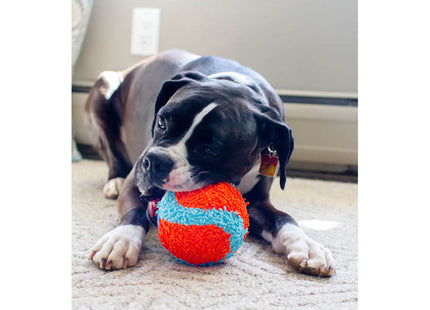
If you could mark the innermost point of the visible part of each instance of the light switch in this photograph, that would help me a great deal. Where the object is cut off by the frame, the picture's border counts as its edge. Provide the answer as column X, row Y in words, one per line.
column 145, row 31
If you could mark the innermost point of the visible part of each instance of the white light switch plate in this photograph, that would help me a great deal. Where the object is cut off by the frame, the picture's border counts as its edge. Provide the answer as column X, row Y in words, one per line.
column 145, row 31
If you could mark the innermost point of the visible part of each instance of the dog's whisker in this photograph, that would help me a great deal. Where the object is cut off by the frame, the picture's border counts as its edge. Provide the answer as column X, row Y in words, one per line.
column 200, row 173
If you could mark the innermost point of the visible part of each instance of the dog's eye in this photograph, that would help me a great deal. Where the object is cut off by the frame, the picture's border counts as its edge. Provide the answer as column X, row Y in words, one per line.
column 209, row 152
column 162, row 123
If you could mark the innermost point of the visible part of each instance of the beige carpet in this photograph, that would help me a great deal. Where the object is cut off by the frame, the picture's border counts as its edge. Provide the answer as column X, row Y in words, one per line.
column 255, row 278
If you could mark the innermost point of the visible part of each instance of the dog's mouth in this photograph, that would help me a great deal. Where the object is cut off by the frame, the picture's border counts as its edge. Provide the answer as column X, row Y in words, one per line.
column 155, row 194
column 152, row 210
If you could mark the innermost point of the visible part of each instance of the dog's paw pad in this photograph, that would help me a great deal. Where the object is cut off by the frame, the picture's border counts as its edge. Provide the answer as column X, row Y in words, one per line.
column 112, row 188
column 118, row 248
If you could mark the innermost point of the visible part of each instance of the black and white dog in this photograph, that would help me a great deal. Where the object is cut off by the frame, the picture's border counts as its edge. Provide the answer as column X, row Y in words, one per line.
column 178, row 121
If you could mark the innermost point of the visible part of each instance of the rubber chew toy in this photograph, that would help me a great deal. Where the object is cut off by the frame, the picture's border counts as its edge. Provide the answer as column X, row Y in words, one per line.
column 205, row 226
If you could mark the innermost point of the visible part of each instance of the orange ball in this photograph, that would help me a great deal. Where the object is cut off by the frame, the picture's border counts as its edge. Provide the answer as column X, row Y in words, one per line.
column 203, row 227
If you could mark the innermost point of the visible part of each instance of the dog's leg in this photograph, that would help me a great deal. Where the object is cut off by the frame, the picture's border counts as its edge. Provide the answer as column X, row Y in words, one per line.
column 120, row 247
column 286, row 237
column 104, row 110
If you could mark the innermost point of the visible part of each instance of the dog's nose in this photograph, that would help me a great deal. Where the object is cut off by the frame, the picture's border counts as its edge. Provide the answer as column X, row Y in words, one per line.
column 158, row 164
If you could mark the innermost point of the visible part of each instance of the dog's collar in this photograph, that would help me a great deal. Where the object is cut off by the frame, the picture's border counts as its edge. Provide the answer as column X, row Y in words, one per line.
column 269, row 162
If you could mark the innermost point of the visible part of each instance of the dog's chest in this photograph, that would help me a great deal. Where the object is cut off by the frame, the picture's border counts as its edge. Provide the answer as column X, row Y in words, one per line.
column 249, row 180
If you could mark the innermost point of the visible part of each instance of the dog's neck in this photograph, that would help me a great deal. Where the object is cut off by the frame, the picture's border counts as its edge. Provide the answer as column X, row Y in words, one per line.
column 250, row 179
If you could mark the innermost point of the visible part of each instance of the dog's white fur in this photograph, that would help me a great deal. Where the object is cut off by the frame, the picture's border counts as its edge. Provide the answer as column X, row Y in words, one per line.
column 113, row 80
column 250, row 179
column 119, row 248
column 112, row 187
column 302, row 252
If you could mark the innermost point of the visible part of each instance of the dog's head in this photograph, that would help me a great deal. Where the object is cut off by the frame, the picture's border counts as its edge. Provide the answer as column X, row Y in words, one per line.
column 208, row 130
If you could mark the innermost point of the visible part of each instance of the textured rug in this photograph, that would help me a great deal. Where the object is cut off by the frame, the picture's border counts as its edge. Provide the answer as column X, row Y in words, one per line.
column 255, row 278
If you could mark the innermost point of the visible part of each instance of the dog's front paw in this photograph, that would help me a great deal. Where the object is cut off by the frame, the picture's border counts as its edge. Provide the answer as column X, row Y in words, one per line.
column 303, row 253
column 118, row 248
column 112, row 188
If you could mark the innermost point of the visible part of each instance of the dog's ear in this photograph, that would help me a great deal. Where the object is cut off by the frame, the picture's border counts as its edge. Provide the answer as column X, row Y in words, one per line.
column 278, row 135
column 171, row 86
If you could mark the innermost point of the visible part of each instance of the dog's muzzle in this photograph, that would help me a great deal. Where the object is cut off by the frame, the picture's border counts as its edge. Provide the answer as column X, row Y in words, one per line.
column 157, row 166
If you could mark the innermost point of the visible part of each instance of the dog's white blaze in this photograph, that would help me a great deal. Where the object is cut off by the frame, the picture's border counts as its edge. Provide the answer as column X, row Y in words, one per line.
column 113, row 79
column 180, row 176
column 180, row 147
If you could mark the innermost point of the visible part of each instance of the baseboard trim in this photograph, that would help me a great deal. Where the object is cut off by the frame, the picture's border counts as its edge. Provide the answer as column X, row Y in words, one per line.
column 350, row 102
column 323, row 176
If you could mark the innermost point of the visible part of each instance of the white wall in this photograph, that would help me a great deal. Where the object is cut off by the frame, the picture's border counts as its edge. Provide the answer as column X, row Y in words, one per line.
column 295, row 44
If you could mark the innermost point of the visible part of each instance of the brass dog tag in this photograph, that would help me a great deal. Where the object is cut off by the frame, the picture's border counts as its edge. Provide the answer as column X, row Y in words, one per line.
column 269, row 163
